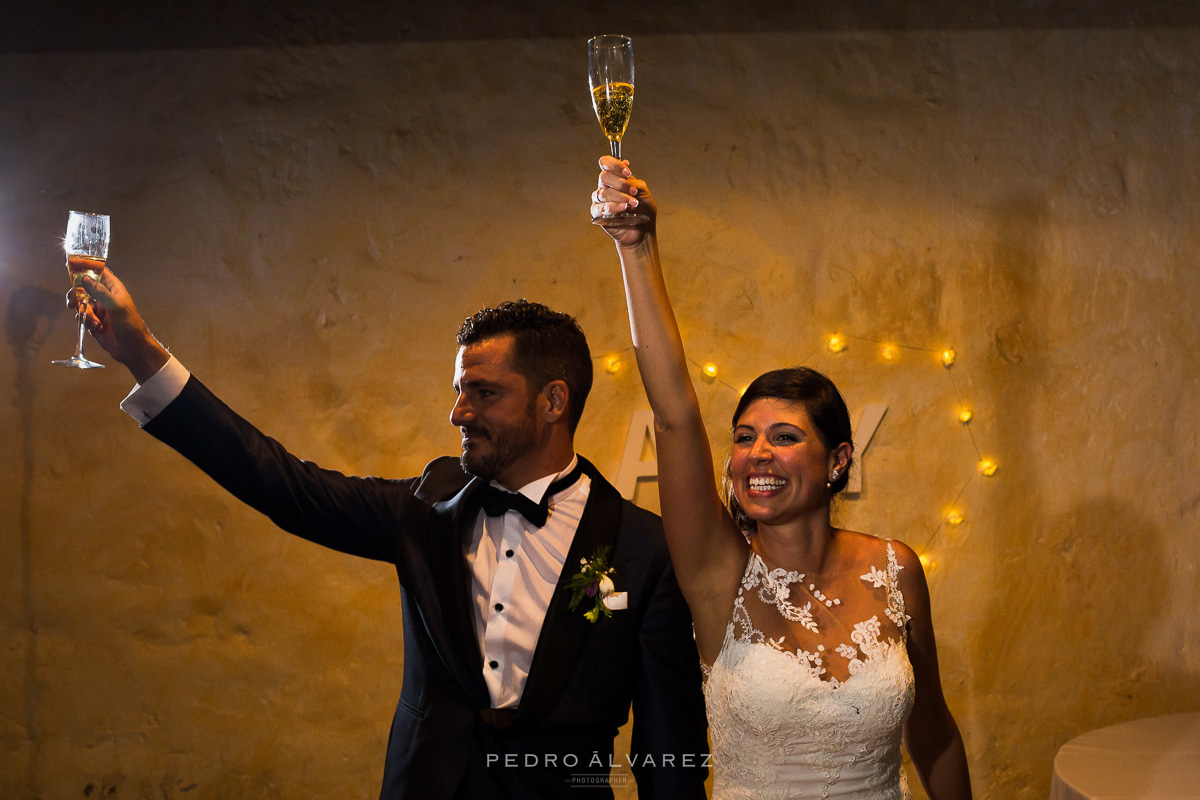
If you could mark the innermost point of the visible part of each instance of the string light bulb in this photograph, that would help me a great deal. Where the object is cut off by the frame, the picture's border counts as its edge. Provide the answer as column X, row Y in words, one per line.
column 710, row 370
column 890, row 352
column 613, row 365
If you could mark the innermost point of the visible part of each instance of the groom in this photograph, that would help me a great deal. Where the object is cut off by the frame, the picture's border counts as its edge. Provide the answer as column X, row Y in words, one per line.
column 508, row 692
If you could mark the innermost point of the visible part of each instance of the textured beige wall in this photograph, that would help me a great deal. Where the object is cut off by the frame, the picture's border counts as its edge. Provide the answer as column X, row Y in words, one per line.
column 306, row 228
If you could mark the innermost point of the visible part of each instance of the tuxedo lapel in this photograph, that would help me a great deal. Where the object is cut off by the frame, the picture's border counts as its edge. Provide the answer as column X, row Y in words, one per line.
column 440, row 511
column 454, row 585
column 564, row 632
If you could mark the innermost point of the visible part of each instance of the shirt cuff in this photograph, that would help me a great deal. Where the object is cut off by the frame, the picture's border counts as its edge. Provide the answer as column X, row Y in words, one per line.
column 147, row 399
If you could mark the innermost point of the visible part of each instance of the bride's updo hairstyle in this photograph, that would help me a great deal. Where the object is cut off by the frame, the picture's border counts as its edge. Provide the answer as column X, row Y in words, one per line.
column 822, row 402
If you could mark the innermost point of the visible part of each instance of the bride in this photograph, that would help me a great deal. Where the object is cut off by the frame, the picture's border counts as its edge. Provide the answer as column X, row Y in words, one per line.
column 817, row 642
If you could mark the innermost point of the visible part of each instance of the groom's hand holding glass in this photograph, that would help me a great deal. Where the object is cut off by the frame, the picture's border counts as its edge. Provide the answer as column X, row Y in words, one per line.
column 114, row 322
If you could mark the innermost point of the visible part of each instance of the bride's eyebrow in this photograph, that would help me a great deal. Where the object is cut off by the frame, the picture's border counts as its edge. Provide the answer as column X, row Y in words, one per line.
column 772, row 427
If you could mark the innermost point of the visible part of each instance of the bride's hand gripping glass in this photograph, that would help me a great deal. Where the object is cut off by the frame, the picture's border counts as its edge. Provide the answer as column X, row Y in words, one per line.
column 610, row 76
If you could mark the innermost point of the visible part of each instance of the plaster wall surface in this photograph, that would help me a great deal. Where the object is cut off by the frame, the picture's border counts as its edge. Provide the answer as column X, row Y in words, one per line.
column 306, row 227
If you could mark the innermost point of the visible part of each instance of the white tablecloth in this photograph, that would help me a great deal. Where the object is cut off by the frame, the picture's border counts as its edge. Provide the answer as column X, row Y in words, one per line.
column 1147, row 759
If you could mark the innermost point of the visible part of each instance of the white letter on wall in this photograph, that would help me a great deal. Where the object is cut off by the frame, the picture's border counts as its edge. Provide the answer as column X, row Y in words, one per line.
column 868, row 423
column 633, row 466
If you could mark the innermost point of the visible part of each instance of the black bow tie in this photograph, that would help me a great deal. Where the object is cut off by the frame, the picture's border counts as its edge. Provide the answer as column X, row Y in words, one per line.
column 496, row 501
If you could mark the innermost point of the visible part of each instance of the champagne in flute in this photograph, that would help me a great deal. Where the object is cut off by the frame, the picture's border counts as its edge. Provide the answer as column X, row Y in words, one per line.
column 81, row 265
column 86, row 244
column 614, row 105
column 610, row 75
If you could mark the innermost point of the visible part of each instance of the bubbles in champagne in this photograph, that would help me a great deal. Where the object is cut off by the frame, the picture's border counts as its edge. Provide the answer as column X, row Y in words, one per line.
column 614, row 104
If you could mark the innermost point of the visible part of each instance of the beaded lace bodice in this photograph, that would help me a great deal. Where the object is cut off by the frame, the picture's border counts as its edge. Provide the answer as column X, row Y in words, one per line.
column 811, row 688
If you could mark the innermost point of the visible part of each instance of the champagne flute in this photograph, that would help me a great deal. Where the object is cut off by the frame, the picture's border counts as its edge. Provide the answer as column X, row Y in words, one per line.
column 610, row 76
column 86, row 244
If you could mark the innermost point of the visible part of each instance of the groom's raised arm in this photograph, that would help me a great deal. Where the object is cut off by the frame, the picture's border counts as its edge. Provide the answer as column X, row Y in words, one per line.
column 350, row 514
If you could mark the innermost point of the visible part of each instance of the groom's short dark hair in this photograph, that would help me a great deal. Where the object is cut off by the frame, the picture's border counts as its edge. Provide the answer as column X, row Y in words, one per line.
column 547, row 346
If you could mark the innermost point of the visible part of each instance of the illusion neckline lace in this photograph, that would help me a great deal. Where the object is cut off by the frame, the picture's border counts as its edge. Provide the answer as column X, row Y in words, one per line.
column 782, row 726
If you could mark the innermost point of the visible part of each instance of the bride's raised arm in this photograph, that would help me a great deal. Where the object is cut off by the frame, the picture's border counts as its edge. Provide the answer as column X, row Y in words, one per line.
column 708, row 550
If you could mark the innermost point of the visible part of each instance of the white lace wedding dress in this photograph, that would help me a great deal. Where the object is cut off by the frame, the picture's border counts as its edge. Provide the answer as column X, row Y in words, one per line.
column 811, row 688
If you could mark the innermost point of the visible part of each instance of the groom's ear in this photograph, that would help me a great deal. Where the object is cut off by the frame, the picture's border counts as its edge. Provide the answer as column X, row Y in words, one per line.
column 556, row 397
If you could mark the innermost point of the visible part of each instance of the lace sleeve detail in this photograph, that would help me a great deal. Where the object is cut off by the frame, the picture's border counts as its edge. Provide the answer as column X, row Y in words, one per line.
column 895, row 599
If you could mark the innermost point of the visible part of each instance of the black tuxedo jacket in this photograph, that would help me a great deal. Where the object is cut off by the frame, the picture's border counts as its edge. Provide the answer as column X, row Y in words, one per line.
column 445, row 741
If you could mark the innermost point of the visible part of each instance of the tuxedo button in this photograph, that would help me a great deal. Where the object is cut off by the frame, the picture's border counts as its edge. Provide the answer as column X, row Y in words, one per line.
column 499, row 606
column 493, row 664
column 508, row 553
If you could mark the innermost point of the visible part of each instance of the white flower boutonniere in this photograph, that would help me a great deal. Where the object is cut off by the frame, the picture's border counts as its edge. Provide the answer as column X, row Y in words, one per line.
column 592, row 583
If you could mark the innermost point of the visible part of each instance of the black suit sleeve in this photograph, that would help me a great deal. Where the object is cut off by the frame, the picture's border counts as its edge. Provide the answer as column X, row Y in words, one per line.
column 349, row 514
column 669, row 724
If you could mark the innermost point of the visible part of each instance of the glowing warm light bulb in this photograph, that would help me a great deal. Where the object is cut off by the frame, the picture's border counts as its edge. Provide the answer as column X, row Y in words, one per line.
column 837, row 343
column 709, row 370
column 948, row 358
column 988, row 467
column 613, row 365
column 927, row 561
column 743, row 390
column 889, row 352
column 955, row 517
column 964, row 415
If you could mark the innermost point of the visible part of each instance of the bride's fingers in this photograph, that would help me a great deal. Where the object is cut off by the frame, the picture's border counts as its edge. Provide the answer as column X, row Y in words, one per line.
column 610, row 164
column 609, row 196
column 607, row 209
column 612, row 182
column 616, row 174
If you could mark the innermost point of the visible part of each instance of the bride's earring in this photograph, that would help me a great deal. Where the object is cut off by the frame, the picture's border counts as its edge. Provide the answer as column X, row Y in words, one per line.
column 829, row 483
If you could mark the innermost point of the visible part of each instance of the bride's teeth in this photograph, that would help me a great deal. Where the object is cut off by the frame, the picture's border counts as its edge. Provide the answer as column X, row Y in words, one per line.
column 762, row 484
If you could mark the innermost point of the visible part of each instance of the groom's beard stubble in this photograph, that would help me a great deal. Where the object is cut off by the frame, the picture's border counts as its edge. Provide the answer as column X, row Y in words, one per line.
column 494, row 449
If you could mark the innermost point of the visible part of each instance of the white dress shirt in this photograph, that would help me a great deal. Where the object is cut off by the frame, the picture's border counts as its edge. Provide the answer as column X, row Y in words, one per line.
column 513, row 566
